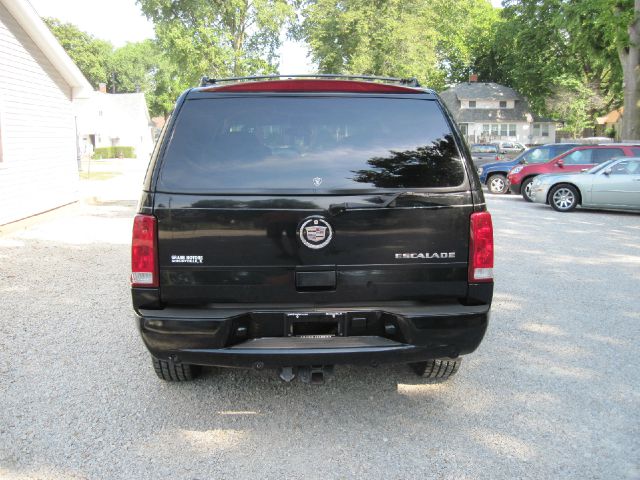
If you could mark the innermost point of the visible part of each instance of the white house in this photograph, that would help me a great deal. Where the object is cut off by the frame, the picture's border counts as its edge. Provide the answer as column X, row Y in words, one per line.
column 118, row 119
column 38, row 142
column 487, row 111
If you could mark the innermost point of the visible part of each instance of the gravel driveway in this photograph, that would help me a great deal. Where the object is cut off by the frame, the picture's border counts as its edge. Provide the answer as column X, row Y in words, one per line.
column 553, row 391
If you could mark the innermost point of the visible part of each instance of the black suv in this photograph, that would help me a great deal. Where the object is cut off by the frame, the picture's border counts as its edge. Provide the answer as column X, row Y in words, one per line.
column 300, row 223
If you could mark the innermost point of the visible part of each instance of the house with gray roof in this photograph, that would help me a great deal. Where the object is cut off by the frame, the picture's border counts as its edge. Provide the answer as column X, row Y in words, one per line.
column 487, row 112
column 113, row 120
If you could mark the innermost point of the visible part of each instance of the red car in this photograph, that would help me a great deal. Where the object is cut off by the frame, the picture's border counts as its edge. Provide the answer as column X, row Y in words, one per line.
column 579, row 158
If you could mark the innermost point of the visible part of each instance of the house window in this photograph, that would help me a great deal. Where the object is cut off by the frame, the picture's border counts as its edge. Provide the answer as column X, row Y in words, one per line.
column 495, row 130
column 503, row 104
column 540, row 129
column 464, row 129
column 472, row 104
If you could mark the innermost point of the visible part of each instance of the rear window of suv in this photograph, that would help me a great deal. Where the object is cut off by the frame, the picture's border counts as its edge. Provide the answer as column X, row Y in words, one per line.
column 319, row 143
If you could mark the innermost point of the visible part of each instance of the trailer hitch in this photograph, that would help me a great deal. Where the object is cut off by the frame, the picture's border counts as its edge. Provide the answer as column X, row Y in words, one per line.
column 315, row 374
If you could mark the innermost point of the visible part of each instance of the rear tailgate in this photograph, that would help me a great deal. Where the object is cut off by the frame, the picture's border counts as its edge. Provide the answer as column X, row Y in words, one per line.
column 251, row 184
column 243, row 254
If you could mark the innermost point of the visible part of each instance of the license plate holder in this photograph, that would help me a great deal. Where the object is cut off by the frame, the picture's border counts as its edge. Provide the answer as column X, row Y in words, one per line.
column 314, row 324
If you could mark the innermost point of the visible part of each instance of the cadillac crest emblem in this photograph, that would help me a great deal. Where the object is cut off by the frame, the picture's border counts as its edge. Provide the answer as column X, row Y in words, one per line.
column 315, row 232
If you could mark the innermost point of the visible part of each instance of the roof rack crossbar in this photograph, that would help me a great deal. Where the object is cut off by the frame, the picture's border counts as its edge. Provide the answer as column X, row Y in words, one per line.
column 411, row 82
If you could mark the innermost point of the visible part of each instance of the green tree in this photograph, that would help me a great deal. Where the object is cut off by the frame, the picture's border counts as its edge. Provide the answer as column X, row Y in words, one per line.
column 134, row 66
column 435, row 41
column 218, row 37
column 542, row 44
column 143, row 66
column 92, row 56
column 573, row 102
column 168, row 83
column 140, row 66
column 608, row 31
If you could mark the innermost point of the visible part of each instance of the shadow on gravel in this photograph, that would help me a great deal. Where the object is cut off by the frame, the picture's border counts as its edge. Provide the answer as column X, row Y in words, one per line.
column 552, row 387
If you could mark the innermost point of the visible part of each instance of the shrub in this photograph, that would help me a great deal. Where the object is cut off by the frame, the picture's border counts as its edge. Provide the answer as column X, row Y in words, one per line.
column 114, row 152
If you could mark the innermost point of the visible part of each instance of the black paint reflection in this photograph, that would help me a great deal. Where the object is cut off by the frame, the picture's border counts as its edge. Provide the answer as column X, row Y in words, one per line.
column 438, row 165
column 275, row 203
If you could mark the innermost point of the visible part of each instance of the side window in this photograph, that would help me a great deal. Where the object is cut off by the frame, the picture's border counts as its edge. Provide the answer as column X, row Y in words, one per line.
column 626, row 167
column 579, row 157
column 533, row 155
column 603, row 154
column 636, row 152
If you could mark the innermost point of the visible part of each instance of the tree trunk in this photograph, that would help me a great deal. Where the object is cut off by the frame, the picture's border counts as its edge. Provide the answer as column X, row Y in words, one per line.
column 630, row 60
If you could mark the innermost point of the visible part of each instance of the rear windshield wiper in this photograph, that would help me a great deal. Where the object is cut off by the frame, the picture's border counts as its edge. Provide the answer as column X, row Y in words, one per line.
column 336, row 208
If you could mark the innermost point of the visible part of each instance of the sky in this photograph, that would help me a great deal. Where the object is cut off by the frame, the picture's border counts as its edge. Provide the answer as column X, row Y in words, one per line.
column 121, row 21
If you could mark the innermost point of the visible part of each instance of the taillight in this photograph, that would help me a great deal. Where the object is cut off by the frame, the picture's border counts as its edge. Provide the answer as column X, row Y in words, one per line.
column 144, row 252
column 481, row 248
column 312, row 86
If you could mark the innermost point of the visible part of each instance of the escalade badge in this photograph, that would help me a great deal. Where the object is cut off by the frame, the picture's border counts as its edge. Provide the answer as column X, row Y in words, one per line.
column 315, row 233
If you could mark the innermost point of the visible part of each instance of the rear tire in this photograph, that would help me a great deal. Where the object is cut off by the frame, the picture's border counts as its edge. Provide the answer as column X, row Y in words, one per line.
column 564, row 198
column 436, row 371
column 498, row 184
column 525, row 189
column 174, row 372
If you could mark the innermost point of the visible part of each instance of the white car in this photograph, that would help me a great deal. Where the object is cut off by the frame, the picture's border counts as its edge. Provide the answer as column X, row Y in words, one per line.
column 509, row 147
column 611, row 185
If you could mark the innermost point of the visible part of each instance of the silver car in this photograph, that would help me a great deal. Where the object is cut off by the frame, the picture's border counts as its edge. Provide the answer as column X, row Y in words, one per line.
column 611, row 185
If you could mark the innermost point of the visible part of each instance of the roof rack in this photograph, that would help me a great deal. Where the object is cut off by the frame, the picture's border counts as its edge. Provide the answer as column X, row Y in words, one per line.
column 410, row 82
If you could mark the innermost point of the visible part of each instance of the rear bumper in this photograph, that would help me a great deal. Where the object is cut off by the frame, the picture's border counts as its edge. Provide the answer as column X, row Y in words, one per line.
column 262, row 338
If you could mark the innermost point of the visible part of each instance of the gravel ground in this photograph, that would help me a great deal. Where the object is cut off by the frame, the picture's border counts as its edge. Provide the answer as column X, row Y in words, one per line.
column 551, row 393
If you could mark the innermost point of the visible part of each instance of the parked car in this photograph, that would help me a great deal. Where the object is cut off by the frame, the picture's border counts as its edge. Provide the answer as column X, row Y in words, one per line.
column 494, row 175
column 482, row 153
column 612, row 185
column 301, row 223
column 575, row 160
column 509, row 147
